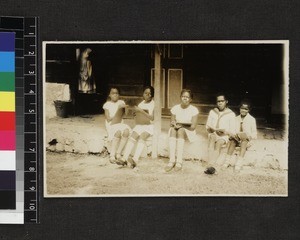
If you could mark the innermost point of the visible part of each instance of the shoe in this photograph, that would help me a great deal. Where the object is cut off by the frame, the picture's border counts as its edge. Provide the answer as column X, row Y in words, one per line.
column 118, row 156
column 169, row 167
column 237, row 169
column 225, row 165
column 132, row 163
column 112, row 160
column 178, row 167
column 121, row 162
column 210, row 170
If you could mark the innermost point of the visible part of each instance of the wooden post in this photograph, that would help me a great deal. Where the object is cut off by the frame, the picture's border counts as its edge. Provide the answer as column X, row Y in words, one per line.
column 157, row 100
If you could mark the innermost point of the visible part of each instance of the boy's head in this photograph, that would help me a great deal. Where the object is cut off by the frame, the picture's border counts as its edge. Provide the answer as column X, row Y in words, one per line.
column 148, row 93
column 245, row 108
column 114, row 93
column 221, row 101
column 186, row 96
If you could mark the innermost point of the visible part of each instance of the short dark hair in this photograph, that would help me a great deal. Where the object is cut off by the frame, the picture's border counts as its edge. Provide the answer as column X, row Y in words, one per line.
column 151, row 90
column 246, row 102
column 188, row 91
column 219, row 94
column 113, row 87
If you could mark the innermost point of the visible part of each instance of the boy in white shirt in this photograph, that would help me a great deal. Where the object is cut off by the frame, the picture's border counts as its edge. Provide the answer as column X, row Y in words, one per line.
column 245, row 132
column 220, row 125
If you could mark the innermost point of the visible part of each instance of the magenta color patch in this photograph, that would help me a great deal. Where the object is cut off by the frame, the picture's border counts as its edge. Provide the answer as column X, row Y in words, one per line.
column 7, row 140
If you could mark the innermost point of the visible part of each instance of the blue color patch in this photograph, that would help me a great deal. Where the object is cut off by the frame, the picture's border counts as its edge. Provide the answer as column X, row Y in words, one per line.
column 7, row 41
column 7, row 61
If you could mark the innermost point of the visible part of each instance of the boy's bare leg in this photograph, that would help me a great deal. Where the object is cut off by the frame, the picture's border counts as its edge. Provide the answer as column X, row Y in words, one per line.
column 217, row 151
column 211, row 147
column 229, row 155
column 240, row 160
column 114, row 144
column 122, row 143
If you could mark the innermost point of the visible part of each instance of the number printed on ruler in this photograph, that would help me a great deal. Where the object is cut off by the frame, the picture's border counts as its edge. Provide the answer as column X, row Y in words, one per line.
column 30, row 85
column 30, row 120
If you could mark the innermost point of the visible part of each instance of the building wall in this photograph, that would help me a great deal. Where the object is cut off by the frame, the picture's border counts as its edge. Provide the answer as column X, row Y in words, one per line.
column 240, row 70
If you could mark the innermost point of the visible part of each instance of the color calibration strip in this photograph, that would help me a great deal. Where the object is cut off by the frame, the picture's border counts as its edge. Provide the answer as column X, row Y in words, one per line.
column 7, row 122
column 25, row 121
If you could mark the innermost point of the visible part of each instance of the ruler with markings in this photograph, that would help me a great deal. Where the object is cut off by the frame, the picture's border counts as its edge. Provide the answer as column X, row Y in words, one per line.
column 26, row 80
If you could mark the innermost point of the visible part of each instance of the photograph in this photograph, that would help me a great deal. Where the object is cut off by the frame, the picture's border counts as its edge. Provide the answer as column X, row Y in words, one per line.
column 165, row 118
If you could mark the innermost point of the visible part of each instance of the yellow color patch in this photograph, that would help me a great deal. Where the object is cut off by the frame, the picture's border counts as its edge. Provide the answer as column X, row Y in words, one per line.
column 7, row 102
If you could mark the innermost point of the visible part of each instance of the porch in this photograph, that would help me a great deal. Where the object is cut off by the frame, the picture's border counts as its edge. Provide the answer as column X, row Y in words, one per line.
column 86, row 135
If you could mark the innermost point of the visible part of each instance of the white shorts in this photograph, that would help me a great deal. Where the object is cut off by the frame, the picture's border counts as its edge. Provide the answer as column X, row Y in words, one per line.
column 112, row 129
column 191, row 135
column 139, row 129
column 217, row 137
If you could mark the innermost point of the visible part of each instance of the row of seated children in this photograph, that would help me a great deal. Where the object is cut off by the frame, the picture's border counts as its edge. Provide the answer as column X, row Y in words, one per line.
column 222, row 126
column 227, row 130
column 122, row 137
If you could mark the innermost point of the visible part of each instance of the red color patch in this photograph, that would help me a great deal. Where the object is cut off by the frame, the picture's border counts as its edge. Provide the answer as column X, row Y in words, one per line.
column 7, row 121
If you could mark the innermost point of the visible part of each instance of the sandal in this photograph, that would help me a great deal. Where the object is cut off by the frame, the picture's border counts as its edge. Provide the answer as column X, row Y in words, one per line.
column 169, row 167
column 121, row 162
column 178, row 167
column 132, row 163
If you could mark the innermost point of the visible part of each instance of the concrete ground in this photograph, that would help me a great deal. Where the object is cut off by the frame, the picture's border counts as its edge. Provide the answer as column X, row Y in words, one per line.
column 76, row 165
column 86, row 134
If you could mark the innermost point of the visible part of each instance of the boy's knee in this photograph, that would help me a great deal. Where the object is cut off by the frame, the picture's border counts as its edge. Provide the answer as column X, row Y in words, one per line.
column 125, row 133
column 134, row 136
column 172, row 132
column 181, row 133
column 244, row 144
column 144, row 136
column 118, row 134
column 220, row 143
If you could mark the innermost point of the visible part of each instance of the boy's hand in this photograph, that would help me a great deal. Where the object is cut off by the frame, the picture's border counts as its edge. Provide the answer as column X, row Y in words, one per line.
column 210, row 130
column 177, row 126
column 220, row 132
column 173, row 123
column 138, row 109
column 122, row 105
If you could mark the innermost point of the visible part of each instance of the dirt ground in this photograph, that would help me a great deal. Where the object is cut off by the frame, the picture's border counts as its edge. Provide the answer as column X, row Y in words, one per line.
column 69, row 174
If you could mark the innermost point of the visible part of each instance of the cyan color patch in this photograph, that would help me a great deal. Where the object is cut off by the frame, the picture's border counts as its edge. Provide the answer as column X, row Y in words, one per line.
column 7, row 61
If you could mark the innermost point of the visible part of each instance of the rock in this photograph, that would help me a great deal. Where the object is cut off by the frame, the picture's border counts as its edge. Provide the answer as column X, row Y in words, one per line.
column 51, row 148
column 60, row 147
column 80, row 147
column 68, row 142
column 250, row 158
column 69, row 148
column 95, row 146
column 268, row 161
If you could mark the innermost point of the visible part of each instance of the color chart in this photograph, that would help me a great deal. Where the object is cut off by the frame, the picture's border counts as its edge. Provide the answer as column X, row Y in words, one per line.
column 7, row 119
column 18, row 120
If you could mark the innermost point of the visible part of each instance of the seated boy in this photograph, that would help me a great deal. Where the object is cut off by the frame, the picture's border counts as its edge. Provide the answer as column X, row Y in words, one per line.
column 245, row 132
column 220, row 125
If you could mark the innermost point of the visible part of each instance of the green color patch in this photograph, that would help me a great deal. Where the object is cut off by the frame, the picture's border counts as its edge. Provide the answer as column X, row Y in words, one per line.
column 7, row 81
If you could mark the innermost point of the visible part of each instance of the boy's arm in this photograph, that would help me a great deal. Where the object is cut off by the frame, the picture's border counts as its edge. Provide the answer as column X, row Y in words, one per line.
column 231, row 130
column 150, row 116
column 253, row 129
column 208, row 126
column 194, row 123
column 173, row 120
column 107, row 117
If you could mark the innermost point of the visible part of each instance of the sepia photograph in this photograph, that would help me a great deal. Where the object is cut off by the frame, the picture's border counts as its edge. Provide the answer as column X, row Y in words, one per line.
column 157, row 118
